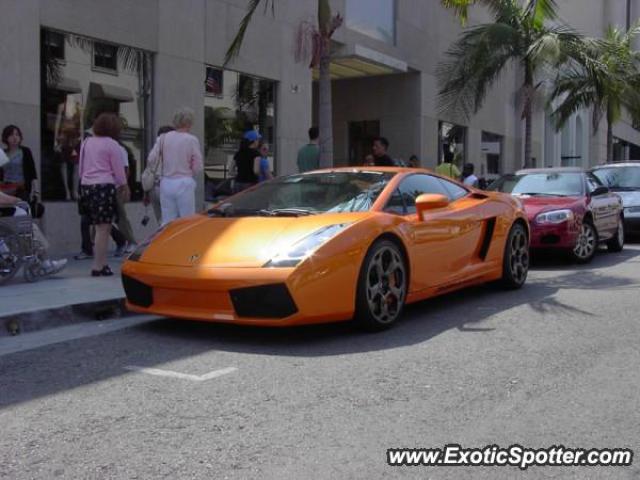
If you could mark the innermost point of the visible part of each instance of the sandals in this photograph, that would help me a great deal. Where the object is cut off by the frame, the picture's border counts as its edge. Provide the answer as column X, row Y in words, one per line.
column 104, row 272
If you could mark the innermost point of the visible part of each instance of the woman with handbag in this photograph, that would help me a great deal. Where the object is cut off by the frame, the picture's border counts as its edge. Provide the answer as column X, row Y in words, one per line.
column 176, row 159
column 151, row 179
column 101, row 174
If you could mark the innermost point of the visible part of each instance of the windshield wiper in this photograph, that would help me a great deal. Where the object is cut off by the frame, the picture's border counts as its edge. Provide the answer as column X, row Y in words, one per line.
column 287, row 212
column 228, row 210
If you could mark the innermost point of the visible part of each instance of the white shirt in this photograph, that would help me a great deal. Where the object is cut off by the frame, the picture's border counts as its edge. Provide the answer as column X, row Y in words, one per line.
column 125, row 157
column 471, row 180
column 3, row 158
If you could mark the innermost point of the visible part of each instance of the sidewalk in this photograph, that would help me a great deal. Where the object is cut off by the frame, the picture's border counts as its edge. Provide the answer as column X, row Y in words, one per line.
column 69, row 297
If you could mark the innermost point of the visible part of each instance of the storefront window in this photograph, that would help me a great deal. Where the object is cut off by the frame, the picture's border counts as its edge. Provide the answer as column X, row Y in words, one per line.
column 375, row 18
column 82, row 78
column 491, row 166
column 233, row 104
column 453, row 139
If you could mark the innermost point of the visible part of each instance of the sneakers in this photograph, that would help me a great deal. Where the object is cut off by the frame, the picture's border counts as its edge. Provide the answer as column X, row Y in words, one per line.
column 120, row 250
column 52, row 267
column 82, row 256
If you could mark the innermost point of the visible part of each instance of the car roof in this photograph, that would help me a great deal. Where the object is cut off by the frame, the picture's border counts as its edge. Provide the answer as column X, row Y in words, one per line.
column 629, row 163
column 527, row 171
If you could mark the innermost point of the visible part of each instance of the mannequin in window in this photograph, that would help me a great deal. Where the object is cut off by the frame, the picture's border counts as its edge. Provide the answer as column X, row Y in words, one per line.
column 68, row 136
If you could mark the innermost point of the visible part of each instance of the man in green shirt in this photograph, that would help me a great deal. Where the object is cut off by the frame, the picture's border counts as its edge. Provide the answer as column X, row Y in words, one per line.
column 309, row 155
column 447, row 168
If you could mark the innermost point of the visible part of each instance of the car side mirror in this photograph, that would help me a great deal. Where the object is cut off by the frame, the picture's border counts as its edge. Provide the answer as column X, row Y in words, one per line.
column 600, row 191
column 430, row 201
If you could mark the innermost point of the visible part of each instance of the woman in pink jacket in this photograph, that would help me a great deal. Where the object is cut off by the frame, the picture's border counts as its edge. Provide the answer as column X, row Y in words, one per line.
column 101, row 173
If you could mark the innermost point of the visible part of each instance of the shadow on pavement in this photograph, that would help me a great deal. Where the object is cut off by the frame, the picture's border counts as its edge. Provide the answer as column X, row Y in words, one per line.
column 57, row 368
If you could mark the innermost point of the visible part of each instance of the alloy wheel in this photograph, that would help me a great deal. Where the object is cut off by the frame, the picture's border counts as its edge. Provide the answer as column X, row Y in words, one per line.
column 519, row 256
column 586, row 243
column 386, row 285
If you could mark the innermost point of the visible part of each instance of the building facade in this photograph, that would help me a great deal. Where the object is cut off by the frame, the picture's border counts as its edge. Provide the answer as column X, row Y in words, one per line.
column 64, row 61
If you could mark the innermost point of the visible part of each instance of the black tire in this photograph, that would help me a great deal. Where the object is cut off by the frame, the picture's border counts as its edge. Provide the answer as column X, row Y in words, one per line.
column 516, row 259
column 616, row 244
column 382, row 288
column 586, row 243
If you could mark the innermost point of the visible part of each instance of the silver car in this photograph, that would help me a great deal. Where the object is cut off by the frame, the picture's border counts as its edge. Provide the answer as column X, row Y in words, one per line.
column 624, row 179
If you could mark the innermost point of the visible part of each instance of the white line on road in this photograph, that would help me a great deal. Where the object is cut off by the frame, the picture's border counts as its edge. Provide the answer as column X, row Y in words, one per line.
column 184, row 376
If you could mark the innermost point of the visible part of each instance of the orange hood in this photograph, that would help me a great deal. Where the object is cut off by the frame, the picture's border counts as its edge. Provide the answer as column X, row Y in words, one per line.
column 234, row 242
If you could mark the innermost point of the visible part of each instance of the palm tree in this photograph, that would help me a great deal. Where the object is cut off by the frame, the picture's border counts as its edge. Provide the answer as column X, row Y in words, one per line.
column 604, row 75
column 320, row 54
column 529, row 35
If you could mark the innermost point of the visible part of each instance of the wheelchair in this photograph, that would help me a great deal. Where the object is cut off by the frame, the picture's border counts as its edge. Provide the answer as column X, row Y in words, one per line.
column 17, row 247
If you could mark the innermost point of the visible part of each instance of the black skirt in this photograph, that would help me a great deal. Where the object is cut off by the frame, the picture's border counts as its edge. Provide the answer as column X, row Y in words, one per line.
column 98, row 202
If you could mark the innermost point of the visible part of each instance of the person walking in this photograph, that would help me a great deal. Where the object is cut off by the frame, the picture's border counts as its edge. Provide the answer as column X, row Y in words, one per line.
column 180, row 160
column 309, row 155
column 379, row 148
column 18, row 177
column 101, row 174
column 468, row 178
column 152, row 197
column 261, row 165
column 245, row 159
column 447, row 168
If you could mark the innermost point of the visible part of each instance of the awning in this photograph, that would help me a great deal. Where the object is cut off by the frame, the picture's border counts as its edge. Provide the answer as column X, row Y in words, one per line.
column 68, row 85
column 359, row 61
column 120, row 94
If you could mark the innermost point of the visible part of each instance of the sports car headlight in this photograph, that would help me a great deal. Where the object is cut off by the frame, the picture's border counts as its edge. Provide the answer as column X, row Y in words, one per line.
column 295, row 253
column 555, row 216
column 137, row 253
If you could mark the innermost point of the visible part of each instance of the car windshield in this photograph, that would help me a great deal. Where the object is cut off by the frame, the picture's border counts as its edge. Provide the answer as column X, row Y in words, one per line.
column 563, row 184
column 620, row 178
column 307, row 194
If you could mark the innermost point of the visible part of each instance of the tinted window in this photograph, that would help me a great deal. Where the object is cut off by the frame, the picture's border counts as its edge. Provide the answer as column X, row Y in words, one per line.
column 454, row 191
column 415, row 185
column 620, row 178
column 395, row 203
column 593, row 182
column 314, row 192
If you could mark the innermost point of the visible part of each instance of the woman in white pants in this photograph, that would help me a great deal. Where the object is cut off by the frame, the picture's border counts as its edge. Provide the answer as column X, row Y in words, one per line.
column 180, row 160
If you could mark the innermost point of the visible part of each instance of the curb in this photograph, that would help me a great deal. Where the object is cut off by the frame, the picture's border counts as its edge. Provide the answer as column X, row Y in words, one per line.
column 15, row 324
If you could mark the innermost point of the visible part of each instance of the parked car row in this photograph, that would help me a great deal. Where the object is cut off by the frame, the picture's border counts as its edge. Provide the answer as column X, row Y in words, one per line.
column 568, row 209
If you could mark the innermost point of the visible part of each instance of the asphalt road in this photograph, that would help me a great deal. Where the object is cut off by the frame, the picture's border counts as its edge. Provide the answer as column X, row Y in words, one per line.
column 556, row 363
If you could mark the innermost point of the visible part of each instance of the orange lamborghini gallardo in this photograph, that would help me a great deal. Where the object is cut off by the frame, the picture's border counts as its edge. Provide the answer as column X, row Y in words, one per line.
column 327, row 246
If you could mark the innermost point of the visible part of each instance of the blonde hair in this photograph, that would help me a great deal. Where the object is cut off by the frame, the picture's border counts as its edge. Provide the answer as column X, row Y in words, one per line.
column 183, row 118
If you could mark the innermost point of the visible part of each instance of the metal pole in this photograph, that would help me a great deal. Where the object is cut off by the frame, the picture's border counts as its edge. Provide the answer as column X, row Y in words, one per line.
column 628, row 15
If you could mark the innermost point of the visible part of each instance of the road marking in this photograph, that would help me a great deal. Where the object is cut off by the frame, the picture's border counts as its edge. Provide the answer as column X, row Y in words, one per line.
column 184, row 376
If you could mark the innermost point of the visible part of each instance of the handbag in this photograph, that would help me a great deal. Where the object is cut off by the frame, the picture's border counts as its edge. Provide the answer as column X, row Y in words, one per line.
column 151, row 177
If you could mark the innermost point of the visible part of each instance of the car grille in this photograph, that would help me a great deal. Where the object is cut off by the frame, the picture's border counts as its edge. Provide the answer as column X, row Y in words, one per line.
column 264, row 301
column 137, row 292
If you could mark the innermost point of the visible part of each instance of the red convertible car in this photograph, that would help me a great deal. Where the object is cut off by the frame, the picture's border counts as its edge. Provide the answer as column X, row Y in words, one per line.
column 568, row 209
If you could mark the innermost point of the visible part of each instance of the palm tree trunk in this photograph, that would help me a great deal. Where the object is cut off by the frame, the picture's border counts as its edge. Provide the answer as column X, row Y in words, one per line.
column 325, row 112
column 528, row 115
column 609, row 141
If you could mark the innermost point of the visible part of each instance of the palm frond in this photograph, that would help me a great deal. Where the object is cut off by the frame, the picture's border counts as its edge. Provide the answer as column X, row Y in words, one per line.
column 236, row 43
column 472, row 65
